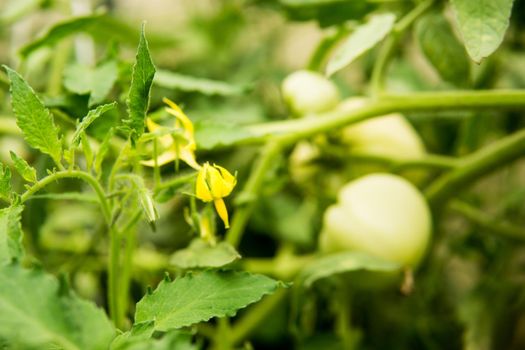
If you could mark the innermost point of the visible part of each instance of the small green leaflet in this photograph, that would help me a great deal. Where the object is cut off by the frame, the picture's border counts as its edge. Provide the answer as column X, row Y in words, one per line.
column 10, row 234
column 33, row 118
column 201, row 254
column 97, row 82
column 343, row 262
column 139, row 92
column 23, row 168
column 443, row 50
column 364, row 38
column 200, row 296
column 482, row 24
column 181, row 82
column 90, row 118
column 5, row 182
column 33, row 303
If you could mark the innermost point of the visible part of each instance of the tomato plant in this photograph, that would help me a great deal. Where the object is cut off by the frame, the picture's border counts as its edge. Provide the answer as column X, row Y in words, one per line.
column 242, row 174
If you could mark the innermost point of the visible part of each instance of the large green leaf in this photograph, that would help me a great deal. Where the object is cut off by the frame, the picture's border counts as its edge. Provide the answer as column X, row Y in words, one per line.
column 200, row 296
column 90, row 118
column 138, row 97
column 23, row 168
column 97, row 82
column 201, row 254
column 443, row 50
column 182, row 82
column 483, row 24
column 33, row 118
column 343, row 262
column 361, row 40
column 37, row 313
column 10, row 234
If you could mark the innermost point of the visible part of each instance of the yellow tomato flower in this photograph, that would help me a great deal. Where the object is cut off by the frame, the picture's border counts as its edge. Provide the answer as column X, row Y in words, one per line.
column 174, row 148
column 213, row 184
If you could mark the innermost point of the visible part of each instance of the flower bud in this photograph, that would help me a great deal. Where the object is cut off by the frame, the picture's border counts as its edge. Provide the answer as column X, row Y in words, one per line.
column 306, row 92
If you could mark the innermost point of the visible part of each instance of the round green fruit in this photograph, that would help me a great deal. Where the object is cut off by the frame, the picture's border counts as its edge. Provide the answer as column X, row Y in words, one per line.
column 388, row 136
column 306, row 92
column 380, row 214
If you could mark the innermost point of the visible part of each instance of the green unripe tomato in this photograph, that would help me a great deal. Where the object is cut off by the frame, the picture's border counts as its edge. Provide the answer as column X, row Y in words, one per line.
column 306, row 92
column 380, row 214
column 390, row 135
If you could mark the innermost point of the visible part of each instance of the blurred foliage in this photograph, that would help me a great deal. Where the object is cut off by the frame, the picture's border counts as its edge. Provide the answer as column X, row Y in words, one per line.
column 223, row 62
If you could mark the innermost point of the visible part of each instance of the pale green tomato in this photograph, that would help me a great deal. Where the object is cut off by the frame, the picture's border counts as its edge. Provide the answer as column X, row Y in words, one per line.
column 390, row 135
column 380, row 214
column 306, row 92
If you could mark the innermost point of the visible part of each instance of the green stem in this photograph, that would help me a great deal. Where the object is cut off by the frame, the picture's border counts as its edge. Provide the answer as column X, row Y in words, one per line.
column 129, row 236
column 72, row 174
column 58, row 63
column 481, row 219
column 251, row 191
column 474, row 166
column 430, row 161
column 113, row 278
column 114, row 259
column 176, row 181
column 388, row 48
column 257, row 314
column 298, row 129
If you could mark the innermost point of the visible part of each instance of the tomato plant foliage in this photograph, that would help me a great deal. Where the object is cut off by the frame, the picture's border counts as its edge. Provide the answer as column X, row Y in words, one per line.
column 299, row 174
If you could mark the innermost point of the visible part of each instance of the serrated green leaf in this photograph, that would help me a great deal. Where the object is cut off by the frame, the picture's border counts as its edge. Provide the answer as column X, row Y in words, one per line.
column 35, row 312
column 33, row 118
column 182, row 82
column 23, row 168
column 199, row 297
column 365, row 37
column 97, row 81
column 90, row 118
column 10, row 234
column 482, row 24
column 139, row 92
column 201, row 254
column 443, row 50
column 102, row 151
column 343, row 262
column 5, row 182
